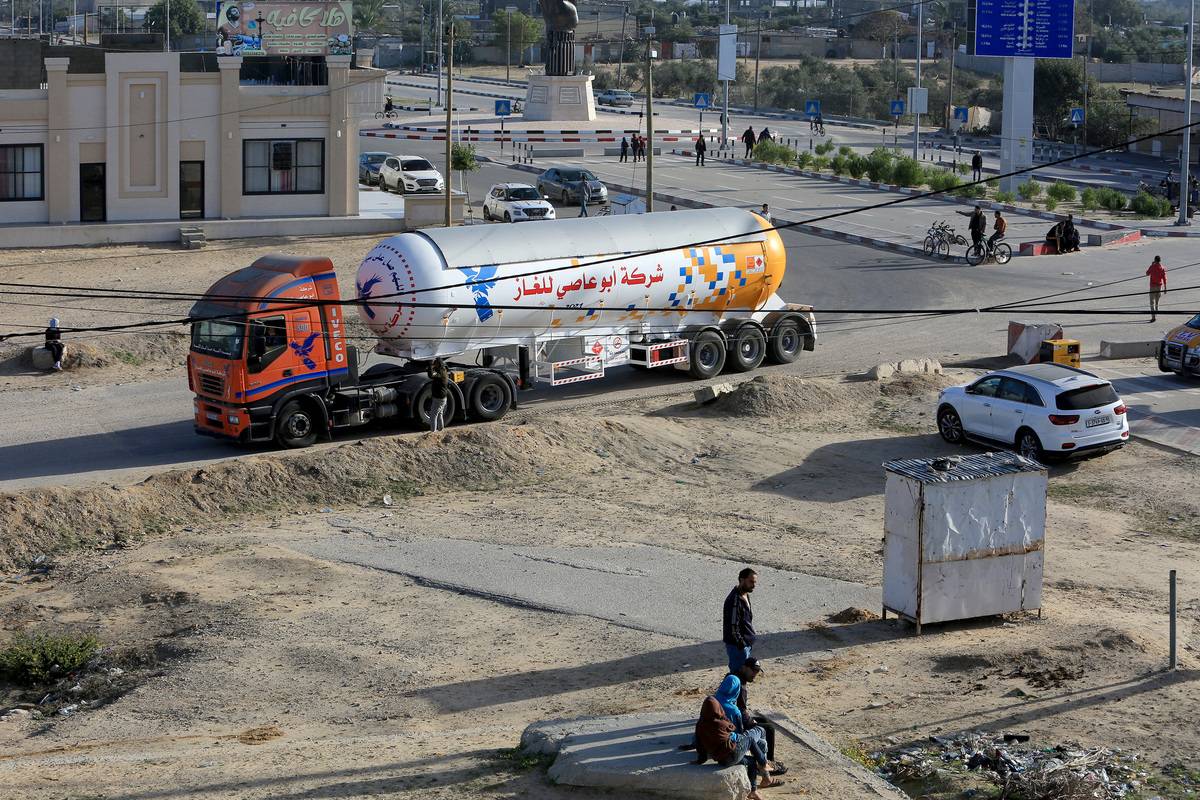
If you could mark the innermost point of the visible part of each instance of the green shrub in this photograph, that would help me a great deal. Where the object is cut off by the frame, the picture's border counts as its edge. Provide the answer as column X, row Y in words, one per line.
column 880, row 165
column 883, row 154
column 804, row 159
column 1150, row 206
column 1089, row 198
column 840, row 164
column 41, row 658
column 963, row 168
column 775, row 153
column 1112, row 200
column 462, row 157
column 820, row 162
column 825, row 148
column 1062, row 192
column 907, row 172
column 941, row 180
column 856, row 165
column 973, row 191
column 1005, row 197
column 1029, row 190
column 845, row 150
column 1051, row 202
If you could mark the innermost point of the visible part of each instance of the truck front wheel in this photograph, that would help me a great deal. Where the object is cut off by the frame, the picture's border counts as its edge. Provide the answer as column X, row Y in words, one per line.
column 296, row 426
column 707, row 355
column 490, row 398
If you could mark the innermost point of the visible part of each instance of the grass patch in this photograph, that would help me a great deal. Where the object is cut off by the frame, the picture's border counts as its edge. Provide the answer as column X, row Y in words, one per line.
column 518, row 759
column 132, row 359
column 1079, row 492
column 857, row 753
column 37, row 659
column 888, row 418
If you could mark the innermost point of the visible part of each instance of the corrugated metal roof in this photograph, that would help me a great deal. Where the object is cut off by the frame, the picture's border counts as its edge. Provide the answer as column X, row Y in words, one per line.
column 962, row 468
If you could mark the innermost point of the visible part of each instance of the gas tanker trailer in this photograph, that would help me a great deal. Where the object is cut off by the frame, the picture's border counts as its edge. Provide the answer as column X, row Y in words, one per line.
column 504, row 306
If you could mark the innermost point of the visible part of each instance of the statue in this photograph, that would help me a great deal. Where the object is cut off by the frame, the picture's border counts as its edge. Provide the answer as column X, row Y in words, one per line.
column 561, row 19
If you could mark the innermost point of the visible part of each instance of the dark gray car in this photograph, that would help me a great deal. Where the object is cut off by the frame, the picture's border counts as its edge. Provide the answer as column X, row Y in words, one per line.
column 368, row 167
column 564, row 184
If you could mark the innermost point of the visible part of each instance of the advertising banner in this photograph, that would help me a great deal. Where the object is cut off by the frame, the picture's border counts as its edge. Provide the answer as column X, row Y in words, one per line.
column 727, row 53
column 286, row 29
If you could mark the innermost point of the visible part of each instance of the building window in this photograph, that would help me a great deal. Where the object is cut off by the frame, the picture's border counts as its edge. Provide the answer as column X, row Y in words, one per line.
column 283, row 166
column 20, row 172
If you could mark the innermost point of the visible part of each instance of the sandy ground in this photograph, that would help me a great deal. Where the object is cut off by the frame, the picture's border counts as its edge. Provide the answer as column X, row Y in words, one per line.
column 250, row 670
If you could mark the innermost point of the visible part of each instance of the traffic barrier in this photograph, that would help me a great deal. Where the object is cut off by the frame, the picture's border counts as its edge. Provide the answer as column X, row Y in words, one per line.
column 1037, row 249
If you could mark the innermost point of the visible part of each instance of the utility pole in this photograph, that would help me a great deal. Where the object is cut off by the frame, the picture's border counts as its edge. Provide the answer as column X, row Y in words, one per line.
column 950, row 96
column 650, row 119
column 449, row 120
column 916, row 116
column 167, row 32
column 621, row 62
column 507, row 49
column 725, row 107
column 757, row 56
column 1086, row 60
column 422, row 61
column 439, row 59
column 1187, row 120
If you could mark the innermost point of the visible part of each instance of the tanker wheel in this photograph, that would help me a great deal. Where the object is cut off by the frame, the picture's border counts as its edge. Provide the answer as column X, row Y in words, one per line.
column 785, row 341
column 490, row 398
column 423, row 403
column 296, row 426
column 707, row 357
column 749, row 349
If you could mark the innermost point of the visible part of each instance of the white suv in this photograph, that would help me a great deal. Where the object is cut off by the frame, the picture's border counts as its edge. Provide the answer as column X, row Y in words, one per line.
column 516, row 202
column 1043, row 410
column 406, row 174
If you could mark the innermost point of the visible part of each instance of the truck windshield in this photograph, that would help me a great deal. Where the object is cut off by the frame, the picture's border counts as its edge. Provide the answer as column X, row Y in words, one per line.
column 218, row 337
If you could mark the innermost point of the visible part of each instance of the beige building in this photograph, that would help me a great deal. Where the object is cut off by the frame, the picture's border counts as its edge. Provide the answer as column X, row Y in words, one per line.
column 166, row 136
column 1165, row 108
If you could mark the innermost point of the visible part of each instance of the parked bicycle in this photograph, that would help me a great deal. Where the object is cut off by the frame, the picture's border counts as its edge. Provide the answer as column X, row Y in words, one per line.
column 999, row 251
column 939, row 238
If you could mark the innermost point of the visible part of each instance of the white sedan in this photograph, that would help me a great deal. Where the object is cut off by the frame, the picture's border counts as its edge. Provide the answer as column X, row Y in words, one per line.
column 516, row 202
column 407, row 174
column 1042, row 410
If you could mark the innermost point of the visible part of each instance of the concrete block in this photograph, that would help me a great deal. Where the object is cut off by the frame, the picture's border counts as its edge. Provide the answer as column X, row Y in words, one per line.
column 633, row 754
column 881, row 372
column 556, row 152
column 1129, row 349
column 707, row 394
column 40, row 357
column 1036, row 249
column 1110, row 238
column 910, row 366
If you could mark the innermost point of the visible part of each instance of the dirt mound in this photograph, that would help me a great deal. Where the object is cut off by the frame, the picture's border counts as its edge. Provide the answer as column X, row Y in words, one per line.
column 38, row 521
column 852, row 614
column 126, row 350
column 795, row 398
column 917, row 384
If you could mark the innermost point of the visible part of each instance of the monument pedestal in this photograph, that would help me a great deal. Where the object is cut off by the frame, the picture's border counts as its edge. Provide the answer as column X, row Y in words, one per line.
column 560, row 98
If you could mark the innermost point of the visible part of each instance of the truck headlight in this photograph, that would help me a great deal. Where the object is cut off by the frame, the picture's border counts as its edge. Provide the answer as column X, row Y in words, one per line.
column 234, row 419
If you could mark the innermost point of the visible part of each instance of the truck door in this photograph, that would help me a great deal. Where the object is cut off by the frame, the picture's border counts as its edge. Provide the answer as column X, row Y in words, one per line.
column 268, row 367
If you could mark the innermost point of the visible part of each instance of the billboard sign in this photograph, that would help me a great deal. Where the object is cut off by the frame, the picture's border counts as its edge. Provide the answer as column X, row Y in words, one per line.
column 1025, row 28
column 727, row 53
column 286, row 29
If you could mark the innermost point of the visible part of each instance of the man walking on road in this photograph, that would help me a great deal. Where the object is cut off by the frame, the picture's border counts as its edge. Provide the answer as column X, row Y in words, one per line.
column 737, row 620
column 976, row 166
column 1158, row 285
column 701, row 149
column 748, row 139
column 624, row 149
column 585, row 196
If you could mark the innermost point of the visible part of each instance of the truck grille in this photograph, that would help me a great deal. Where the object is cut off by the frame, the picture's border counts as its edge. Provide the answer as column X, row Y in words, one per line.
column 1175, row 351
column 427, row 182
column 213, row 385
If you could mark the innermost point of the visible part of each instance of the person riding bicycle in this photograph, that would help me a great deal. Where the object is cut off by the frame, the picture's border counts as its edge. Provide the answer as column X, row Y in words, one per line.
column 999, row 226
column 388, row 106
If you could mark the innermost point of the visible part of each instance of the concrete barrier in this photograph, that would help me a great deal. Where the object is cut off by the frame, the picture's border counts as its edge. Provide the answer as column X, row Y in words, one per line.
column 556, row 152
column 1036, row 249
column 1129, row 349
column 1112, row 238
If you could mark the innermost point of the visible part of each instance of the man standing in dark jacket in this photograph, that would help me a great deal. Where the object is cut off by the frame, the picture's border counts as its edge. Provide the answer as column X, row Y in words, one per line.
column 737, row 626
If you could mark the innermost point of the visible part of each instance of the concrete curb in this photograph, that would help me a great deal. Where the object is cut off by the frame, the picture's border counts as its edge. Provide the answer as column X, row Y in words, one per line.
column 1131, row 349
column 508, row 137
column 1163, row 232
column 857, row 772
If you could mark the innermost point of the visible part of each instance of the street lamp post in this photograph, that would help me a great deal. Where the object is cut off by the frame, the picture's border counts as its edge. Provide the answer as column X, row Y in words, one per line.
column 621, row 57
column 916, row 115
column 440, row 55
column 1187, row 120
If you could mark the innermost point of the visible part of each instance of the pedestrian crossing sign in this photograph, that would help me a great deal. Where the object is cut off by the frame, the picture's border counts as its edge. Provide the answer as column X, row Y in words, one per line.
column 897, row 108
column 702, row 100
column 503, row 108
column 1076, row 116
column 960, row 113
column 812, row 108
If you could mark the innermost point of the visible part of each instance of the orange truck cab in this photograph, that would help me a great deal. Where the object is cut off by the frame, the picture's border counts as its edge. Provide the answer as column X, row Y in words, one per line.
column 269, row 361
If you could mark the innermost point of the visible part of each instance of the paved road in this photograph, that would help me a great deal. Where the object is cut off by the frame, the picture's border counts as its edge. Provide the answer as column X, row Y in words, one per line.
column 637, row 586
column 1163, row 408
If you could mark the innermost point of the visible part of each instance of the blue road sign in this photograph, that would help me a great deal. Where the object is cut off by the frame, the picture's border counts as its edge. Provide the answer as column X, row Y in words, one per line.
column 1030, row 28
column 1076, row 116
column 897, row 108
column 702, row 100
column 960, row 113
column 503, row 108
column 812, row 107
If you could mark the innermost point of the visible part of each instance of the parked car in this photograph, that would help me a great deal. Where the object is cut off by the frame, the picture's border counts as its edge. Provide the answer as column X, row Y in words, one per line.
column 516, row 202
column 409, row 174
column 1043, row 410
column 368, row 167
column 615, row 97
column 563, row 184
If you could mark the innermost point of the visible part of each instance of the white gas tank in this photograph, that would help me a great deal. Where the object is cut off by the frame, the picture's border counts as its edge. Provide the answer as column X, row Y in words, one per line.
column 564, row 278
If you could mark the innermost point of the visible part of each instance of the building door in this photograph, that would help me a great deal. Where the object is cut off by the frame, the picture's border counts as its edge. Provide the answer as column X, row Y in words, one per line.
column 92, row 192
column 191, row 189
